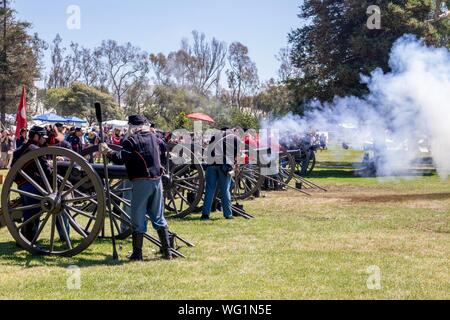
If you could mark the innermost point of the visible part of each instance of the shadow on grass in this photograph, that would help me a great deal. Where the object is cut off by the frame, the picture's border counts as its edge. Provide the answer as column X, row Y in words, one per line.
column 334, row 173
column 336, row 165
column 195, row 217
column 12, row 255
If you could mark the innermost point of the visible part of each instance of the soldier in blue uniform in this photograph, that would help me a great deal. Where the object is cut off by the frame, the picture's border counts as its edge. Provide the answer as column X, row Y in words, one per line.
column 37, row 139
column 141, row 155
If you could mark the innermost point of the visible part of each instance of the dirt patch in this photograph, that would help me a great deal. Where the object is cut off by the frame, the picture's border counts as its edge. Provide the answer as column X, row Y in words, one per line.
column 433, row 226
column 401, row 197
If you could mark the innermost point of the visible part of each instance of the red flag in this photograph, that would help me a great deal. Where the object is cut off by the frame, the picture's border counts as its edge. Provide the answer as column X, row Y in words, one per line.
column 21, row 117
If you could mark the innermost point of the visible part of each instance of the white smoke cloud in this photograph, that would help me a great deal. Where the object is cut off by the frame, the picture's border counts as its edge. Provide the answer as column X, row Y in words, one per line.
column 407, row 104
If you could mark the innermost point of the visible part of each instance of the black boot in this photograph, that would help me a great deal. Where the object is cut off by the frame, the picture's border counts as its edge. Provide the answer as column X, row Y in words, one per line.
column 29, row 231
column 138, row 240
column 165, row 243
column 172, row 237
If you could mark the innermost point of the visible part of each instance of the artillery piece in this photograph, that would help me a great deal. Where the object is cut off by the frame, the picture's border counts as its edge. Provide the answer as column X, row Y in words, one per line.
column 71, row 203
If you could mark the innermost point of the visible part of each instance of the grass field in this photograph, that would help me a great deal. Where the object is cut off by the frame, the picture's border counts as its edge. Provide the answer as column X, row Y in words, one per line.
column 325, row 246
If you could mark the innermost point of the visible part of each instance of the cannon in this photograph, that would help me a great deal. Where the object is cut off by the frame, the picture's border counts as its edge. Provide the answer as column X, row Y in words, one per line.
column 183, row 182
column 70, row 204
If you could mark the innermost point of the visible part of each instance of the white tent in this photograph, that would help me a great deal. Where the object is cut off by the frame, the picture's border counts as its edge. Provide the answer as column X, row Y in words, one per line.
column 117, row 124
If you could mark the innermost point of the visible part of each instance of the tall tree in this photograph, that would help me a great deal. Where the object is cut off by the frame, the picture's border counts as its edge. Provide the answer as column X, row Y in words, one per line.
column 139, row 97
column 197, row 65
column 160, row 66
column 287, row 69
column 243, row 77
column 204, row 61
column 90, row 68
column 19, row 58
column 123, row 64
column 334, row 45
column 65, row 67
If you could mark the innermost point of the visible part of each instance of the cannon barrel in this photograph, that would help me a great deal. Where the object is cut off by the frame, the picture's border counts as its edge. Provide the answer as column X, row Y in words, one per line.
column 115, row 172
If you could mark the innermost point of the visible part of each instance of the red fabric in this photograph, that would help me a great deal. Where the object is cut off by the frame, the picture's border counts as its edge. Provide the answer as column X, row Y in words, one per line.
column 201, row 117
column 21, row 117
column 116, row 140
column 52, row 141
column 250, row 141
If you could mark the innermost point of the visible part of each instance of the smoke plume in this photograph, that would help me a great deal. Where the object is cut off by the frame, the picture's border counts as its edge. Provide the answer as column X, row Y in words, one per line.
column 408, row 104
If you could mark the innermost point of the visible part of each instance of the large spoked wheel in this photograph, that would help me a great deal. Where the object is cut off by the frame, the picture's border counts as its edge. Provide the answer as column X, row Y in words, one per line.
column 47, row 220
column 184, row 184
column 311, row 163
column 287, row 167
column 300, row 163
column 247, row 182
column 120, row 198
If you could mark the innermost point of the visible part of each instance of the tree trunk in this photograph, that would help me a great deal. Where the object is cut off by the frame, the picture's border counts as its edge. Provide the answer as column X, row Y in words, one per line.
column 4, row 62
column 3, row 107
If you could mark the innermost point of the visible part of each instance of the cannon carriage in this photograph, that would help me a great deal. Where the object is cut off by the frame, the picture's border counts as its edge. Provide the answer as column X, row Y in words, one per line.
column 184, row 178
column 69, row 204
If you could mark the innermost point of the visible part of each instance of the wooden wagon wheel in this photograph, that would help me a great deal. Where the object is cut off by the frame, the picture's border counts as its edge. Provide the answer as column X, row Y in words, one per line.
column 286, row 167
column 299, row 163
column 184, row 184
column 311, row 164
column 247, row 182
column 120, row 198
column 54, row 200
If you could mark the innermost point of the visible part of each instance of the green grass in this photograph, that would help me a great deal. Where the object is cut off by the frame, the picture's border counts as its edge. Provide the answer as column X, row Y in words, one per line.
column 298, row 247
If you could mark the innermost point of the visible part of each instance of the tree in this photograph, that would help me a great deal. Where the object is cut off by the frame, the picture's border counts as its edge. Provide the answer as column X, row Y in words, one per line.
column 65, row 68
column 78, row 99
column 19, row 59
column 123, row 64
column 275, row 99
column 334, row 45
column 440, row 10
column 182, row 122
column 160, row 65
column 243, row 119
column 91, row 69
column 139, row 97
column 204, row 61
column 172, row 101
column 197, row 65
column 243, row 74
column 287, row 69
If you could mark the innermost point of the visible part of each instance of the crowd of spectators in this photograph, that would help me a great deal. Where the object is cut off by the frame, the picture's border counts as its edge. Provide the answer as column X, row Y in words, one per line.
column 69, row 137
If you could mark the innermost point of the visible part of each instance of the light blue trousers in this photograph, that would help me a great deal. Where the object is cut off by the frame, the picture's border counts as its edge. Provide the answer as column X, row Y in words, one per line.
column 215, row 176
column 147, row 200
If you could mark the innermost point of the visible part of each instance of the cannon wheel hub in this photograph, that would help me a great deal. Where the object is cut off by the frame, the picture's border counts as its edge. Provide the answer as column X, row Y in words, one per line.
column 52, row 204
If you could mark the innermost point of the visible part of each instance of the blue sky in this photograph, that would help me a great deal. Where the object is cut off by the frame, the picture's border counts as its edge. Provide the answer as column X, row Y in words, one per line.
column 159, row 25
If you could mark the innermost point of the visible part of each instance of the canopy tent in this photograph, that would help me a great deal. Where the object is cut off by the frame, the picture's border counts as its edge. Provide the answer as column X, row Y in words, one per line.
column 51, row 117
column 119, row 124
column 75, row 120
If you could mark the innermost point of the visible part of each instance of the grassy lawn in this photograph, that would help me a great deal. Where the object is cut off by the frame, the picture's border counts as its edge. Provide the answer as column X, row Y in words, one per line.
column 298, row 247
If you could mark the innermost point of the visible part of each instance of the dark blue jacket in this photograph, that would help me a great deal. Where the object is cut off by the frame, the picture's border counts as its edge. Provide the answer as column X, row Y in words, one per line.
column 31, row 168
column 141, row 155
